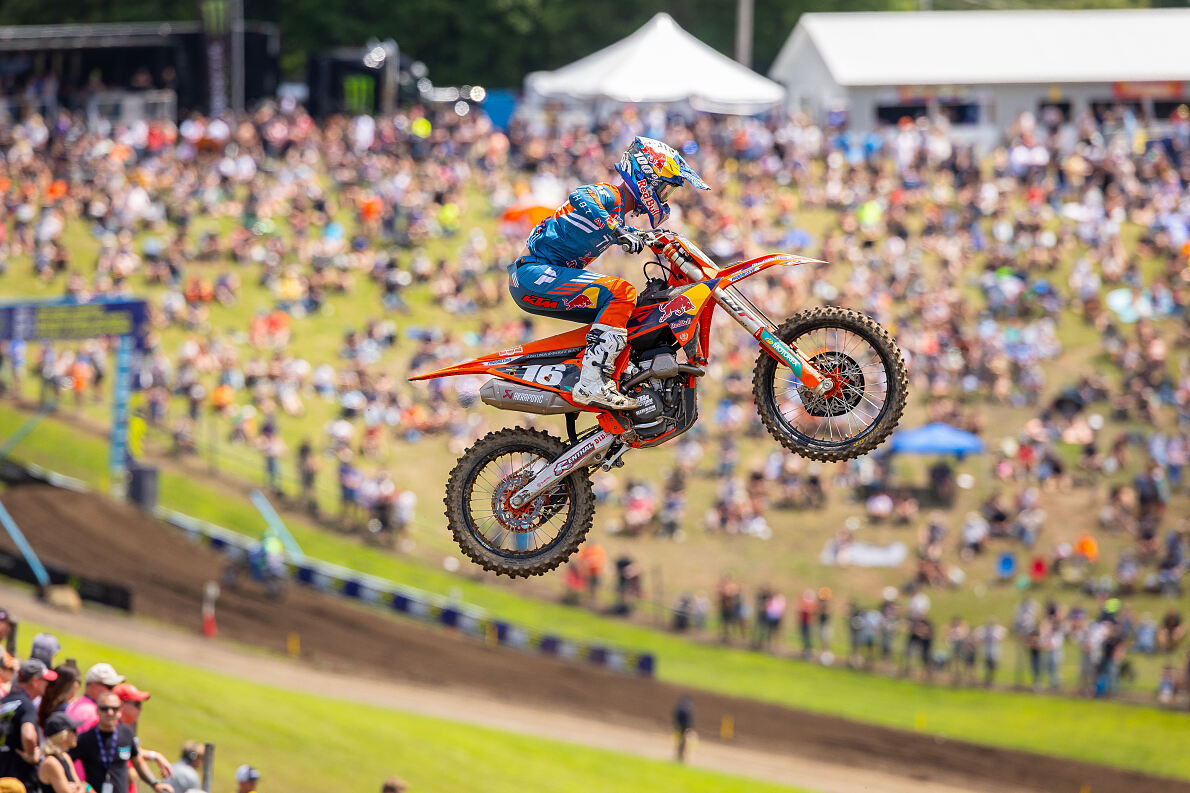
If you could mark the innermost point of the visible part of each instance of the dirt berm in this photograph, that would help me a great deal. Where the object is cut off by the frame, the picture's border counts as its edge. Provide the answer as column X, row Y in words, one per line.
column 94, row 536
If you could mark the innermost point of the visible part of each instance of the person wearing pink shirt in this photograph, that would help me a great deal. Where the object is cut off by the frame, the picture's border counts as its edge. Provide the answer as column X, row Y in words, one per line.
column 100, row 678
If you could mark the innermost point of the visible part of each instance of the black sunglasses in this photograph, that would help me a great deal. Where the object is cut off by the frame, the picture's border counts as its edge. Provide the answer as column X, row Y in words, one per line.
column 108, row 708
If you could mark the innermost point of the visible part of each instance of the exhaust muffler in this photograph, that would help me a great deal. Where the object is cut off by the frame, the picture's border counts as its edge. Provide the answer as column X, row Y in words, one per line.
column 507, row 395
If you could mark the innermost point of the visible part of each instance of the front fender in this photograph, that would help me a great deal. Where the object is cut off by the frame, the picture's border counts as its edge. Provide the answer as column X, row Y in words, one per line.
column 741, row 270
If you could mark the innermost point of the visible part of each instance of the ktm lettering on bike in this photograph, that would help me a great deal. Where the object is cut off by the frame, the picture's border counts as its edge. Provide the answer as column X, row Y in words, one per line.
column 679, row 305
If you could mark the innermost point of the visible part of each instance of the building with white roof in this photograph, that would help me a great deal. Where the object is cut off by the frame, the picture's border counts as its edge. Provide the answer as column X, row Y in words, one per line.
column 982, row 68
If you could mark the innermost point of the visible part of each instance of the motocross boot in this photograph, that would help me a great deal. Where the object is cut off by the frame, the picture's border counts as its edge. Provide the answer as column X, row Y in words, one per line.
column 595, row 386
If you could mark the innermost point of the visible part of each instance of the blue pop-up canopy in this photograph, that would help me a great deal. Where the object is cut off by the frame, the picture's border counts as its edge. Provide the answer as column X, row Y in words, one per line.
column 937, row 438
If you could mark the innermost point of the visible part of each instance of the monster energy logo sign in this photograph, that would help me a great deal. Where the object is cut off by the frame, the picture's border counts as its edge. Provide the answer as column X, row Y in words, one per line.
column 359, row 91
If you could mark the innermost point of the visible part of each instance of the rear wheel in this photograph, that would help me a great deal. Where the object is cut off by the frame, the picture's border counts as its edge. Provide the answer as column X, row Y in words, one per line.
column 524, row 541
column 863, row 406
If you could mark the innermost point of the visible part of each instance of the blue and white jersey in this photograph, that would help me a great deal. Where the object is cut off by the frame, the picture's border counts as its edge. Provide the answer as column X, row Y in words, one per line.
column 581, row 229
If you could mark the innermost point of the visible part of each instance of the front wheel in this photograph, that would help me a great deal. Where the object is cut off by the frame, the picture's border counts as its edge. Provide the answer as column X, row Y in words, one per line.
column 516, row 541
column 859, row 411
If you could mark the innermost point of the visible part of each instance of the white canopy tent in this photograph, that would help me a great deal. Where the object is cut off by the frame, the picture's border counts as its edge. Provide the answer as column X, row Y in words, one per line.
column 660, row 63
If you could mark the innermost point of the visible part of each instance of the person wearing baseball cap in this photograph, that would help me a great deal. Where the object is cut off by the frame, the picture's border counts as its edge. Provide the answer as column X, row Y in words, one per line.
column 132, row 701
column 21, row 751
column 246, row 778
column 57, row 772
column 100, row 678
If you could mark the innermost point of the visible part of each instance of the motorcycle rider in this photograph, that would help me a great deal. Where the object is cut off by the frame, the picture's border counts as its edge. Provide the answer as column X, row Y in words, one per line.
column 551, row 279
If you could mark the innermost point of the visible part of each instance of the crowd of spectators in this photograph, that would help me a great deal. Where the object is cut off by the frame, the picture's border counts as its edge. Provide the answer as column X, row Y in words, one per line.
column 67, row 731
column 899, row 635
column 970, row 257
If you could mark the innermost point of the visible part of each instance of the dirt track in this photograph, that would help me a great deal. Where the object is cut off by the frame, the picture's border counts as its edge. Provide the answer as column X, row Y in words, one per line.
column 94, row 536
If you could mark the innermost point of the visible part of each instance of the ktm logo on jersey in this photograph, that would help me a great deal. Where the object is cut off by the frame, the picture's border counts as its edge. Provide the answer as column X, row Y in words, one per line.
column 542, row 302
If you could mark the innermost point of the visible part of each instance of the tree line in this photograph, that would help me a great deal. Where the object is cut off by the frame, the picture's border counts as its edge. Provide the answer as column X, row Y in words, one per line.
column 492, row 42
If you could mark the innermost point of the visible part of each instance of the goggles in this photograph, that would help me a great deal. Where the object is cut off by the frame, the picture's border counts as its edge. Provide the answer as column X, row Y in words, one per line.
column 664, row 190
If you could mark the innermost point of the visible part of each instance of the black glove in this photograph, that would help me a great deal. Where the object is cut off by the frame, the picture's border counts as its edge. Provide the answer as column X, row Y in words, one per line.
column 628, row 239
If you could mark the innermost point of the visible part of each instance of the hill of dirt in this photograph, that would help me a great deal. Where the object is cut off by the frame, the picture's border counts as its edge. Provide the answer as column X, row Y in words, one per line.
column 95, row 536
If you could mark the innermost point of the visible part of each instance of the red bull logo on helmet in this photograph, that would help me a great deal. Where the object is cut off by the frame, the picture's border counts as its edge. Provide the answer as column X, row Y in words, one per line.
column 663, row 164
column 587, row 298
column 646, row 196
column 676, row 307
column 657, row 159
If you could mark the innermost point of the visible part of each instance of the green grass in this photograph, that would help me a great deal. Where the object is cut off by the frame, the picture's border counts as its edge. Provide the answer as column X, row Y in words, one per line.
column 302, row 742
column 1102, row 732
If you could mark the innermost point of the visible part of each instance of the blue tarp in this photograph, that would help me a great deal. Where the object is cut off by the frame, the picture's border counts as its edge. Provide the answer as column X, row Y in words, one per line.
column 936, row 438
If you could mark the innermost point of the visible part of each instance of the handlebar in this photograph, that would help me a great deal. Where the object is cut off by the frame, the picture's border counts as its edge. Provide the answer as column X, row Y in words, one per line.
column 657, row 239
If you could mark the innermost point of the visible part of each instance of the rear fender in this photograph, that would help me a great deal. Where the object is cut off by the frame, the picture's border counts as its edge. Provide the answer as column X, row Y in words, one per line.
column 551, row 364
column 521, row 354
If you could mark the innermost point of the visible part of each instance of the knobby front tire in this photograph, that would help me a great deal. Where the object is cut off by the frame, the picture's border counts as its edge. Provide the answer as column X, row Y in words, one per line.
column 862, row 414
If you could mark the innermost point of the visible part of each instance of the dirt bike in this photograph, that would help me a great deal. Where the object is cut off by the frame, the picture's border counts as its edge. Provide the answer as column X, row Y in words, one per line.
column 260, row 567
column 829, row 384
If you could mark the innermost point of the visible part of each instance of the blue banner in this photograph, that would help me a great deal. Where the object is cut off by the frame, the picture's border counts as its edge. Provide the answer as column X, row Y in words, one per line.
column 118, row 448
column 70, row 319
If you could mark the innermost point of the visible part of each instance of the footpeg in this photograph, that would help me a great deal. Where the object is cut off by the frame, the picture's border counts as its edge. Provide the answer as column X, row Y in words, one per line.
column 614, row 461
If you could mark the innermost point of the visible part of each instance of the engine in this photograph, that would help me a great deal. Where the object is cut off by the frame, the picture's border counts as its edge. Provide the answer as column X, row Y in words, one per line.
column 660, row 398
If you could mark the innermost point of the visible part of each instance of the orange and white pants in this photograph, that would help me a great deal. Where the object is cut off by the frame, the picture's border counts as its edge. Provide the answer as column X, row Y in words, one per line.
column 570, row 293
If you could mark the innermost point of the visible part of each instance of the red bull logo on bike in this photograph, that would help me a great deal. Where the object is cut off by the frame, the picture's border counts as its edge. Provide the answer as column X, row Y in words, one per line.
column 587, row 298
column 679, row 305
column 689, row 302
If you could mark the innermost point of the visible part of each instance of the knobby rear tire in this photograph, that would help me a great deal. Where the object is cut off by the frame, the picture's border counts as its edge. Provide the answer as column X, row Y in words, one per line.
column 462, row 525
column 894, row 367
